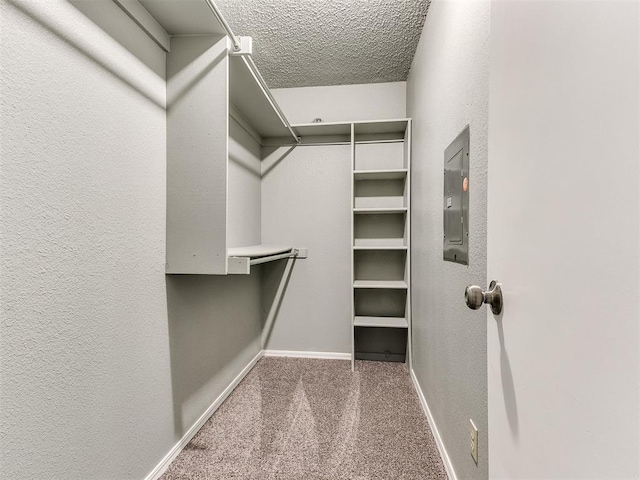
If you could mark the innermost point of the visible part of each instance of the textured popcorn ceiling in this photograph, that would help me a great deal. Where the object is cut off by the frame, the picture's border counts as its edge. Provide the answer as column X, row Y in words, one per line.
column 300, row 43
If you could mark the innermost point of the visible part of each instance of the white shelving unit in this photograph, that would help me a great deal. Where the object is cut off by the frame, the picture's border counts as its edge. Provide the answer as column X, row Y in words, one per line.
column 210, row 84
column 381, row 240
column 380, row 231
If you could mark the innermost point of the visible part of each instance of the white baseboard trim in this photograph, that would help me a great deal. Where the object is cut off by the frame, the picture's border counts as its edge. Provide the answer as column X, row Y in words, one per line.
column 319, row 355
column 448, row 466
column 175, row 451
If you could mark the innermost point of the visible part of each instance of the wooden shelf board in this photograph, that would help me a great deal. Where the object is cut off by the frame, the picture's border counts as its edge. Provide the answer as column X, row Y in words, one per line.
column 247, row 96
column 387, row 322
column 379, row 211
column 380, row 247
column 379, row 242
column 322, row 129
column 186, row 17
column 392, row 174
column 381, row 126
column 374, row 127
column 386, row 284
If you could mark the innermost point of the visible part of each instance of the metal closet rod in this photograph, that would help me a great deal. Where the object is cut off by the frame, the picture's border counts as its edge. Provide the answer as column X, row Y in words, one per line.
column 271, row 258
column 216, row 11
column 265, row 88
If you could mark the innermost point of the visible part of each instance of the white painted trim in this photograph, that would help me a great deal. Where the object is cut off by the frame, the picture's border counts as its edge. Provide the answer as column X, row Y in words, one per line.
column 175, row 451
column 448, row 466
column 319, row 355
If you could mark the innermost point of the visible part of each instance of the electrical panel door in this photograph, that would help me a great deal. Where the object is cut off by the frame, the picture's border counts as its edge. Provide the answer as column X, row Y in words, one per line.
column 456, row 200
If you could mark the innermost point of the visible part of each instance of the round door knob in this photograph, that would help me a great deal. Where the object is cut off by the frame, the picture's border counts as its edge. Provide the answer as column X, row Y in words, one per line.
column 475, row 297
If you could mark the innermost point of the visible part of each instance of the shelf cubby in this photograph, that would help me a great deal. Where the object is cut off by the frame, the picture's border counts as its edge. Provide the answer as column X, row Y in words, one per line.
column 380, row 302
column 380, row 343
column 375, row 229
column 371, row 192
column 380, row 156
column 374, row 265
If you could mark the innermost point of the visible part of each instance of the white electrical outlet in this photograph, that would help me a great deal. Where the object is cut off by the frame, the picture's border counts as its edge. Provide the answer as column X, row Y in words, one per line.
column 474, row 441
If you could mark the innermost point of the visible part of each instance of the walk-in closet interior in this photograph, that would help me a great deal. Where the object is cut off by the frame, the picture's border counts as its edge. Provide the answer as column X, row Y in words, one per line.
column 276, row 224
column 231, row 209
column 217, row 217
column 236, row 238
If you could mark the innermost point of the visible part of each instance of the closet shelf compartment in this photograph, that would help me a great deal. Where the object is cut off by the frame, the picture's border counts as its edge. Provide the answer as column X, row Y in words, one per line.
column 392, row 174
column 387, row 322
column 208, row 82
column 385, row 284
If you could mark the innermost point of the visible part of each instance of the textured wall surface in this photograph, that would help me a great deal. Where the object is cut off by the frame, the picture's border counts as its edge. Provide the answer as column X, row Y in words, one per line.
column 243, row 219
column 340, row 103
column 331, row 42
column 306, row 202
column 448, row 88
column 104, row 363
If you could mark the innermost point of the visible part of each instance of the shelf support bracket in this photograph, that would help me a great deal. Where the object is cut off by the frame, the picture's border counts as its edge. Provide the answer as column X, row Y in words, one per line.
column 246, row 47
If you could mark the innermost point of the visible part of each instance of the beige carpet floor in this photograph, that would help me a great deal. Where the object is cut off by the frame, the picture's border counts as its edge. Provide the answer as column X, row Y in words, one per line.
column 310, row 419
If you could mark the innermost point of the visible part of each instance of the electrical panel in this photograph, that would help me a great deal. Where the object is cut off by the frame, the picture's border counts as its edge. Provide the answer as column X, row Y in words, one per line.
column 456, row 200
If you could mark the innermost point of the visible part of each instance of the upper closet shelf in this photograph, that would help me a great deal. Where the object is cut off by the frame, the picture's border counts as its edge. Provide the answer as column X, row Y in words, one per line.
column 241, row 258
column 365, row 131
column 321, row 128
column 251, row 101
column 361, row 127
column 376, row 127
column 183, row 17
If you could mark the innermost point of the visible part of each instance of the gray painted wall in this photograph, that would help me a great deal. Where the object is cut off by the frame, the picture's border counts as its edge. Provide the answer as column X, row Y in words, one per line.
column 306, row 195
column 104, row 361
column 243, row 219
column 343, row 103
column 306, row 203
column 448, row 88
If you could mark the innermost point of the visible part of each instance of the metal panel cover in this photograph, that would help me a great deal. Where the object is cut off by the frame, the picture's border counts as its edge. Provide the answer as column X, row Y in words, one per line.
column 456, row 200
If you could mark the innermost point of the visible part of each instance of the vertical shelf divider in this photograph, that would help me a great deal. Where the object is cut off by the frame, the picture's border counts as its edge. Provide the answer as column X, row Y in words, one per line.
column 407, row 156
column 353, row 270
